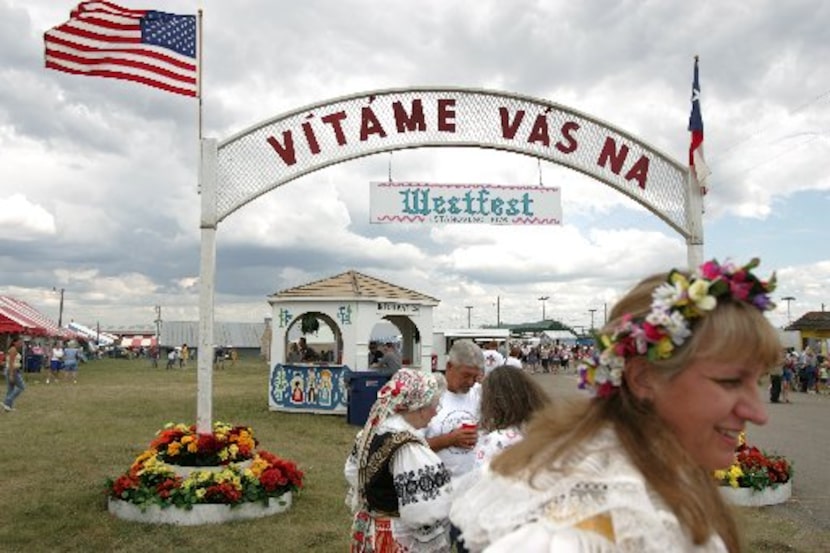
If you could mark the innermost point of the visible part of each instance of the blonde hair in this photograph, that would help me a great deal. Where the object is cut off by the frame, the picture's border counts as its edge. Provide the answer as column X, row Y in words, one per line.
column 733, row 331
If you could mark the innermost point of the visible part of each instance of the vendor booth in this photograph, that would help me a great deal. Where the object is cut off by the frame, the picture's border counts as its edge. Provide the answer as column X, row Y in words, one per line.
column 349, row 305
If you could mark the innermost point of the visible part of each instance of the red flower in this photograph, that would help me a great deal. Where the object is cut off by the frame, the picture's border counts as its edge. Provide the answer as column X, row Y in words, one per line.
column 124, row 483
column 165, row 488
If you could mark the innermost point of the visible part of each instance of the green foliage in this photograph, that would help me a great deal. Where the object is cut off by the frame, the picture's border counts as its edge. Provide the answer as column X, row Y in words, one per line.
column 309, row 324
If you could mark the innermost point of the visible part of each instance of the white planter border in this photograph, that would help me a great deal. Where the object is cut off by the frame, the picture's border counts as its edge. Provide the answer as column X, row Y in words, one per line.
column 747, row 497
column 199, row 514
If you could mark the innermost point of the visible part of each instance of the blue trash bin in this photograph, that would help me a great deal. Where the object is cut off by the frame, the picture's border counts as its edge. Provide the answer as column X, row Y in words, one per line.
column 363, row 391
column 34, row 362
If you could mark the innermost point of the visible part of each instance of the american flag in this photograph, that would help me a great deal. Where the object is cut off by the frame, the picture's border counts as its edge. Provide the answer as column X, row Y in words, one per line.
column 696, row 160
column 150, row 47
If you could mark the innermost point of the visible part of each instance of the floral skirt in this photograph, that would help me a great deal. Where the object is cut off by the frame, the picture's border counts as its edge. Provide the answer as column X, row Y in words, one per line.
column 373, row 535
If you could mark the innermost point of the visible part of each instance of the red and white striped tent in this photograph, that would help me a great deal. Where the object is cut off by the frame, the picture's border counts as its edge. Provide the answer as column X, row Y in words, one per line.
column 138, row 341
column 18, row 317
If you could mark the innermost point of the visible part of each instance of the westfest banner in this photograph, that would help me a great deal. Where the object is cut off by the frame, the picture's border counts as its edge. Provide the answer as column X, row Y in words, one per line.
column 419, row 202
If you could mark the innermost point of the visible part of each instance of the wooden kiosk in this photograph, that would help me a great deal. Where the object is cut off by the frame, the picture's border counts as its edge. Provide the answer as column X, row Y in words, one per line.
column 350, row 304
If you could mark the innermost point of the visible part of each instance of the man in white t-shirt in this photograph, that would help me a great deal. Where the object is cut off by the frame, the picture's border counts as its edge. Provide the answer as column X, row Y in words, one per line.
column 492, row 357
column 452, row 432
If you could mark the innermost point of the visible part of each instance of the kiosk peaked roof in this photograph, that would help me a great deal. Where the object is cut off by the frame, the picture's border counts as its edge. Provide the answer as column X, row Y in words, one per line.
column 353, row 284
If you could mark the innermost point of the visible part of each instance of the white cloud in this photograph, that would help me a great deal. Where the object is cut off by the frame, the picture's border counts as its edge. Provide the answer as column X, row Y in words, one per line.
column 98, row 177
column 23, row 219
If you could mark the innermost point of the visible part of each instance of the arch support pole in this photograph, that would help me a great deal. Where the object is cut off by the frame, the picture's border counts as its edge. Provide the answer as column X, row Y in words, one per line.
column 207, row 284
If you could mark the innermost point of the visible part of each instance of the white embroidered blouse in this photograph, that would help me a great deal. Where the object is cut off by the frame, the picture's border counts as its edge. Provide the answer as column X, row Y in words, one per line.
column 423, row 488
column 602, row 505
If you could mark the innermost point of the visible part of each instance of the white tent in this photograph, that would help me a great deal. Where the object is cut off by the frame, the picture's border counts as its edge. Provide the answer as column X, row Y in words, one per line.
column 565, row 337
column 102, row 338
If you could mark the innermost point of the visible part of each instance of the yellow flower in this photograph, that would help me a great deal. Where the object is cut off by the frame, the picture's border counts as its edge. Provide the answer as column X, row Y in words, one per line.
column 699, row 294
column 664, row 347
column 681, row 284
column 187, row 439
column 193, row 447
column 200, row 493
column 173, row 448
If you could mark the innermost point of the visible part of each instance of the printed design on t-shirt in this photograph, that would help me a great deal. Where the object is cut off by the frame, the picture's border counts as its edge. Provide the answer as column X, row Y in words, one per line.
column 490, row 359
column 453, row 420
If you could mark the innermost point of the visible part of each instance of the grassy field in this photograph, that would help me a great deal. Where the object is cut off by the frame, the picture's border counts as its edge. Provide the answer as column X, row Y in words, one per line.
column 65, row 439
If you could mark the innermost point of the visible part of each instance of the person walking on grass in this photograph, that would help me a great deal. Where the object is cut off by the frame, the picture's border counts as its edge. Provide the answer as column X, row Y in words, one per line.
column 55, row 362
column 14, row 375
column 71, row 358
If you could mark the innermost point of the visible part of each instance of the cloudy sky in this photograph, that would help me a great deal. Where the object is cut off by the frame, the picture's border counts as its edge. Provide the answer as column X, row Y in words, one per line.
column 98, row 185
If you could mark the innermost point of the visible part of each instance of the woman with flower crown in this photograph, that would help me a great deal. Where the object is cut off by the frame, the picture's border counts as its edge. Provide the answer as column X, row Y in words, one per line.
column 675, row 382
column 400, row 489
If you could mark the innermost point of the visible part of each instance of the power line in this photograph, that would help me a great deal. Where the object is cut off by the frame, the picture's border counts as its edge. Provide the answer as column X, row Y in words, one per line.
column 802, row 107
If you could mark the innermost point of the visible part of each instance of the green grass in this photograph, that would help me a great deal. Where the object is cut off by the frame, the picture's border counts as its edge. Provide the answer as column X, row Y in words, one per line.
column 65, row 439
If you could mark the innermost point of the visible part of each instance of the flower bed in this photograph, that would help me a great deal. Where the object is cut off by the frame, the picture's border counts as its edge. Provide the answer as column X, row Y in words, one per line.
column 239, row 476
column 756, row 478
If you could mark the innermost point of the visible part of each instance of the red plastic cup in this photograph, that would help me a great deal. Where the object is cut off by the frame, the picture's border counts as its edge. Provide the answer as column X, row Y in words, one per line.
column 469, row 426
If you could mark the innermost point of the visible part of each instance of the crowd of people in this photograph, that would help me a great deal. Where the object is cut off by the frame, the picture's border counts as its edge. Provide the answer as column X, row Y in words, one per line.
column 479, row 459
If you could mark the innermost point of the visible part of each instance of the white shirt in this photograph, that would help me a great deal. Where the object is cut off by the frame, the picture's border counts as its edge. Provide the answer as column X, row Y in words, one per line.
column 456, row 409
column 492, row 443
column 492, row 359
column 514, row 362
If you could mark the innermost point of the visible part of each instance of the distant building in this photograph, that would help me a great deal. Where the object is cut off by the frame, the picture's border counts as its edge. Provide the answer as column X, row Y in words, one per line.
column 814, row 330
column 245, row 338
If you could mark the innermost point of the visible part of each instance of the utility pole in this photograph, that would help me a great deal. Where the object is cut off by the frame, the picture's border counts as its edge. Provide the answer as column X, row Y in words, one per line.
column 60, row 307
column 543, row 299
column 469, row 308
column 158, row 324
column 498, row 311
column 592, row 311
column 788, row 299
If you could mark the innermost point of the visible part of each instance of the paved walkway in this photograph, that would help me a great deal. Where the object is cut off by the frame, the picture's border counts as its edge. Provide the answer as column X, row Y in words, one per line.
column 799, row 430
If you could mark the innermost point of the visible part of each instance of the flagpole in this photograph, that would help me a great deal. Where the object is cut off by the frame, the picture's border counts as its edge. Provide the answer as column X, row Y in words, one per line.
column 694, row 211
column 199, row 62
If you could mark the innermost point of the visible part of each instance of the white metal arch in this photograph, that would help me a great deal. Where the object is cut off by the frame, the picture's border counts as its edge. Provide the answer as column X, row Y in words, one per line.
column 279, row 150
column 251, row 163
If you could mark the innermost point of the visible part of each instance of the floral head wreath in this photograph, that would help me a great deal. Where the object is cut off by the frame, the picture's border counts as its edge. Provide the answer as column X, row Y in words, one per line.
column 676, row 305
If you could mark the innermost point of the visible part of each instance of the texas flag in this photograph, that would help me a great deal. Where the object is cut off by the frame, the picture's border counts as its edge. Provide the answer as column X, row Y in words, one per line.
column 696, row 160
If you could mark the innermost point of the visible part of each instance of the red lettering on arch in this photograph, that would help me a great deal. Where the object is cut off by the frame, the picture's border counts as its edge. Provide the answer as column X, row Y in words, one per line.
column 446, row 114
column 610, row 154
column 286, row 149
column 508, row 127
column 540, row 132
column 369, row 124
column 335, row 120
column 570, row 144
column 639, row 172
column 413, row 121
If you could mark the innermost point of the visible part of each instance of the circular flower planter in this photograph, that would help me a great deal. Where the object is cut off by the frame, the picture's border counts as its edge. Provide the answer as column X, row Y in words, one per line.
column 199, row 514
column 747, row 497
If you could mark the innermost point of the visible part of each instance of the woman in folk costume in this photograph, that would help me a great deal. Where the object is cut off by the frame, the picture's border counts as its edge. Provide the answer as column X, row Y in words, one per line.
column 400, row 489
column 630, row 469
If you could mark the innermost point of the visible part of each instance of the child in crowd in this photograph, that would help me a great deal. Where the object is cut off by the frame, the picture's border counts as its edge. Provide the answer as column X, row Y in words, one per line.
column 508, row 400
